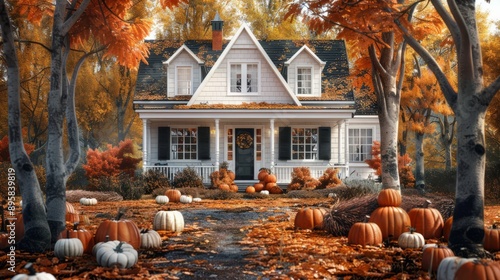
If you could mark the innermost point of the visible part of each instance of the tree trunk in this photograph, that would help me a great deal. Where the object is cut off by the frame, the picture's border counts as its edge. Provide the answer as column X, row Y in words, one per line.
column 419, row 161
column 37, row 233
column 385, row 70
column 56, row 185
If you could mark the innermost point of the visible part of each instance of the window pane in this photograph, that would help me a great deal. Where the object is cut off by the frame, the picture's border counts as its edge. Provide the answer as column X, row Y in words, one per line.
column 235, row 77
column 360, row 144
column 184, row 81
column 304, row 81
column 184, row 143
column 252, row 77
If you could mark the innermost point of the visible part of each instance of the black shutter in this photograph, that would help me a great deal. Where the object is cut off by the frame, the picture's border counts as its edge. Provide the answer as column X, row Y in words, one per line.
column 325, row 143
column 285, row 142
column 203, row 143
column 163, row 143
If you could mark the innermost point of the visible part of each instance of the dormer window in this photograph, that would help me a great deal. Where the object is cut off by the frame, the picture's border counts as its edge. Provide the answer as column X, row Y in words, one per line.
column 244, row 77
column 184, row 80
column 304, row 80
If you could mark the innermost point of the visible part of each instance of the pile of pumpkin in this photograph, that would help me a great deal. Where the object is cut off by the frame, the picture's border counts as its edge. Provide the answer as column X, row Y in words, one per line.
column 115, row 242
column 173, row 195
column 223, row 179
column 391, row 222
column 267, row 183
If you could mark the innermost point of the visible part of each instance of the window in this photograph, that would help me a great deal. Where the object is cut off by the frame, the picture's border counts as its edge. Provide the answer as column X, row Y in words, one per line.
column 304, row 80
column 360, row 144
column 304, row 143
column 184, row 80
column 244, row 77
column 184, row 145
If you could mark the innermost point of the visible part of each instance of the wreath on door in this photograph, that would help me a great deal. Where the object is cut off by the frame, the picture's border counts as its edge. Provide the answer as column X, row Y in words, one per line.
column 244, row 140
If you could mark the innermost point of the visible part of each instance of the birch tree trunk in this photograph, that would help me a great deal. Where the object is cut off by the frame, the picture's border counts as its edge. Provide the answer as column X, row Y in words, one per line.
column 419, row 161
column 37, row 234
column 385, row 70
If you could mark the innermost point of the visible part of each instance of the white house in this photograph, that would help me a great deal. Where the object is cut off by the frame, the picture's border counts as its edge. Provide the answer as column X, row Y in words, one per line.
column 253, row 104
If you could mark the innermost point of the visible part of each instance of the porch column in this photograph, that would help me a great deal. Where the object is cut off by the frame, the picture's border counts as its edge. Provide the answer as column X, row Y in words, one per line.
column 346, row 145
column 217, row 145
column 145, row 144
column 271, row 127
column 339, row 133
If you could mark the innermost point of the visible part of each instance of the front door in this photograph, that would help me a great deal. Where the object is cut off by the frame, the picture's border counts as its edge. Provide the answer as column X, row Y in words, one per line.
column 244, row 165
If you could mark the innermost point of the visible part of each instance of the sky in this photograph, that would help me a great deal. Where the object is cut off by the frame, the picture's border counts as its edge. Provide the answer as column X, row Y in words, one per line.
column 493, row 7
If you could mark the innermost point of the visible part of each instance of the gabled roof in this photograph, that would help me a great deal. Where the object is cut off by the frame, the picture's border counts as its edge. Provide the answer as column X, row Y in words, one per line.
column 246, row 29
column 308, row 50
column 179, row 51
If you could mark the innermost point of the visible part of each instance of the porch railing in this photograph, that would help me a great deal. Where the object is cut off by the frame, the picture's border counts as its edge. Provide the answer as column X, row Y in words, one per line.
column 170, row 170
column 283, row 173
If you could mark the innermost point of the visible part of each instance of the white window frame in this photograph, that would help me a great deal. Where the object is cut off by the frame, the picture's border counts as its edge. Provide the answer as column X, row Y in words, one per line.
column 314, row 144
column 174, row 147
column 297, row 80
column 367, row 153
column 177, row 80
column 243, row 64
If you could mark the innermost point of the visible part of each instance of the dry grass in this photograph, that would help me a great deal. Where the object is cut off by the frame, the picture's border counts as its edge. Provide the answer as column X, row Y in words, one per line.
column 75, row 195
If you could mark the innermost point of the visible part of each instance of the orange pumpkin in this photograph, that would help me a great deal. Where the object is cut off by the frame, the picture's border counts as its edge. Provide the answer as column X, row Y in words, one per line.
column 365, row 233
column 389, row 197
column 492, row 238
column 433, row 255
column 117, row 229
column 447, row 228
column 478, row 269
column 250, row 189
column 269, row 186
column 72, row 215
column 233, row 188
column 224, row 187
column 275, row 190
column 309, row 218
column 263, row 172
column 82, row 234
column 173, row 195
column 258, row 187
column 270, row 178
column 4, row 240
column 427, row 221
column 231, row 175
column 393, row 221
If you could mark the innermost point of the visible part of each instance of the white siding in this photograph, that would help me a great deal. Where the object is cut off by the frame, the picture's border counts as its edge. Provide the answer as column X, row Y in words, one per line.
column 183, row 59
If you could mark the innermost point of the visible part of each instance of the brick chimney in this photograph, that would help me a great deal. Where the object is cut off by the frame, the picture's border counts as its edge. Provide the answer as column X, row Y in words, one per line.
column 217, row 24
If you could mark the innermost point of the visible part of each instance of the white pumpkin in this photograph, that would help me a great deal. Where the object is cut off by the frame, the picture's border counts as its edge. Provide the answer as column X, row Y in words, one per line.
column 33, row 275
column 168, row 220
column 150, row 239
column 411, row 239
column 161, row 199
column 449, row 266
column 186, row 199
column 68, row 248
column 197, row 199
column 88, row 201
column 116, row 253
column 265, row 192
column 98, row 244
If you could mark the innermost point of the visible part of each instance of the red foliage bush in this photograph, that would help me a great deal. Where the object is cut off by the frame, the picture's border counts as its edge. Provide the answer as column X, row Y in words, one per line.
column 112, row 162
column 405, row 174
column 4, row 149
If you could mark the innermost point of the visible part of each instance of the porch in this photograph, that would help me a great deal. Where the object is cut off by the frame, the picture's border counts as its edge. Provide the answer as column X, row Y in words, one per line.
column 283, row 173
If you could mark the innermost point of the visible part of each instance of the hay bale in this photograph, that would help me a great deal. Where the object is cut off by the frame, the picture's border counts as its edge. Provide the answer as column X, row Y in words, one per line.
column 345, row 213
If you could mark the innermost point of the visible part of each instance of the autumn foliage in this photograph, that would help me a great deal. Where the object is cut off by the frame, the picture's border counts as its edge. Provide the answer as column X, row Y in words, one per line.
column 405, row 174
column 113, row 161
column 4, row 149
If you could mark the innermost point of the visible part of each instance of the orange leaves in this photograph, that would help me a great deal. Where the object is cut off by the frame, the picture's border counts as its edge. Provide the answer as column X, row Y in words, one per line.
column 35, row 10
column 4, row 148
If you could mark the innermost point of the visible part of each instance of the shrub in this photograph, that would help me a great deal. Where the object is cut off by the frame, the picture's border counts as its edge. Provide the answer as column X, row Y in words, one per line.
column 302, row 180
column 371, row 185
column 329, row 179
column 112, row 162
column 154, row 179
column 122, row 184
column 77, row 180
column 440, row 180
column 187, row 178
column 4, row 148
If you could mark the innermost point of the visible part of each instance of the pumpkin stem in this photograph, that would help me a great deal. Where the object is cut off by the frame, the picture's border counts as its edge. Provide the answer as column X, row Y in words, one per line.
column 427, row 203
column 106, row 238
column 75, row 226
column 412, row 230
column 67, row 233
column 494, row 226
column 118, row 248
column 367, row 218
column 119, row 215
column 31, row 269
